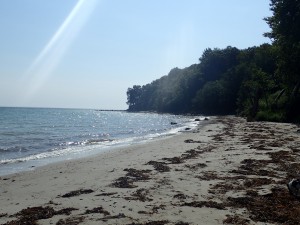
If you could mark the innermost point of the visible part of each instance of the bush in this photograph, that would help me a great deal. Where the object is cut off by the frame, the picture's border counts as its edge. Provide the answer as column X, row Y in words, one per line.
column 270, row 116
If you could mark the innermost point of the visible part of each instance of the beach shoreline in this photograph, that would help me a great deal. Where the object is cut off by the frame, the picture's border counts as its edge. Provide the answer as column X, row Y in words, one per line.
column 220, row 172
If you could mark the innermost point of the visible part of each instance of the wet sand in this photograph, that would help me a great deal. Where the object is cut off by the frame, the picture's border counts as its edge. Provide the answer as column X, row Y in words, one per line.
column 226, row 172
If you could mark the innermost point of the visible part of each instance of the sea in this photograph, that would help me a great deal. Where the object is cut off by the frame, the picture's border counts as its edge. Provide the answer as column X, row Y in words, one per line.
column 33, row 137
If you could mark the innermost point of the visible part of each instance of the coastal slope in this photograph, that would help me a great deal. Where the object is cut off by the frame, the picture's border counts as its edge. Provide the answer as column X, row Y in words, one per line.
column 227, row 171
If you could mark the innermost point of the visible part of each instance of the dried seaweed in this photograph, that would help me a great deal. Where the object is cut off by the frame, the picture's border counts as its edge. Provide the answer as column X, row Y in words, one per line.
column 208, row 204
column 259, row 147
column 235, row 220
column 174, row 160
column 276, row 207
column 140, row 195
column 154, row 209
column 255, row 182
column 138, row 175
column 223, row 188
column 97, row 210
column 191, row 141
column 196, row 166
column 180, row 196
column 254, row 167
column 258, row 136
column 181, row 223
column 209, row 175
column 77, row 193
column 218, row 137
column 162, row 222
column 32, row 215
column 71, row 221
column 190, row 154
column 159, row 166
column 124, row 182
column 65, row 211
column 132, row 176
column 119, row 216
column 107, row 194
column 281, row 156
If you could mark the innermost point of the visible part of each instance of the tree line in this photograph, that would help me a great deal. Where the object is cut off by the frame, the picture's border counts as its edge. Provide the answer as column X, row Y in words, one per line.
column 260, row 82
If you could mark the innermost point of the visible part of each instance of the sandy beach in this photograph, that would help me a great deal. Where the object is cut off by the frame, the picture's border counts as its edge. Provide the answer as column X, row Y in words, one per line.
column 227, row 171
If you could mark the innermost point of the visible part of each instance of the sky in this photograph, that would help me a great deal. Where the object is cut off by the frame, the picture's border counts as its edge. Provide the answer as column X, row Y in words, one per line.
column 87, row 53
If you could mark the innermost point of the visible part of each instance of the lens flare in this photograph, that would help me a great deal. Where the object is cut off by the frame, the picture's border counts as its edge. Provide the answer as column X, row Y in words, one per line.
column 51, row 55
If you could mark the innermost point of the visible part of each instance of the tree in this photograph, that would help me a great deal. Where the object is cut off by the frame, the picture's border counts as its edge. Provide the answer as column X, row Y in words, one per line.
column 285, row 33
column 212, row 98
column 133, row 97
column 226, row 81
column 214, row 63
column 254, row 89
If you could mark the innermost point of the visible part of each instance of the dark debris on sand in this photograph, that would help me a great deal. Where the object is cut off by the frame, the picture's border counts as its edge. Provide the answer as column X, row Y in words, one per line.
column 254, row 167
column 162, row 222
column 174, row 160
column 235, row 220
column 140, row 195
column 155, row 209
column 30, row 216
column 107, row 194
column 124, row 182
column 194, row 153
column 3, row 215
column 118, row 216
column 132, row 176
column 77, row 193
column 255, row 182
column 208, row 204
column 71, row 221
column 180, row 196
column 189, row 154
column 181, row 223
column 197, row 166
column 191, row 141
column 138, row 175
column 277, row 207
column 209, row 175
column 159, row 166
column 97, row 210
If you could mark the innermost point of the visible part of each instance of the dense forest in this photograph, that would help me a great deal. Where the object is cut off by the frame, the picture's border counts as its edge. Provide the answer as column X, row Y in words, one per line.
column 260, row 83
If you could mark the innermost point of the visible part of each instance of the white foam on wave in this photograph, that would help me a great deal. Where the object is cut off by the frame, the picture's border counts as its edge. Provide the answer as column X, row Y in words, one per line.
column 74, row 150
column 55, row 153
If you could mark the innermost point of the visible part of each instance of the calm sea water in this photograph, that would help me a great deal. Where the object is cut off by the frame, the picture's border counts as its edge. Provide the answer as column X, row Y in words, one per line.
column 31, row 137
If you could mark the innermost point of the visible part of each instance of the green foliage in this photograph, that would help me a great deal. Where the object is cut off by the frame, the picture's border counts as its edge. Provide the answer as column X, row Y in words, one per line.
column 285, row 32
column 134, row 97
column 212, row 98
column 226, row 81
column 216, row 62
column 261, row 83
column 270, row 116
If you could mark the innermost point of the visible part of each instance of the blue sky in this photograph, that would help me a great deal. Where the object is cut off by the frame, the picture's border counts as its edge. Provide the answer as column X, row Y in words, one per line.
column 86, row 53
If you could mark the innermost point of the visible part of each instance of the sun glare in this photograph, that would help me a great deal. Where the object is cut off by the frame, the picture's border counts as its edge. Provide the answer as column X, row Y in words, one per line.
column 51, row 55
